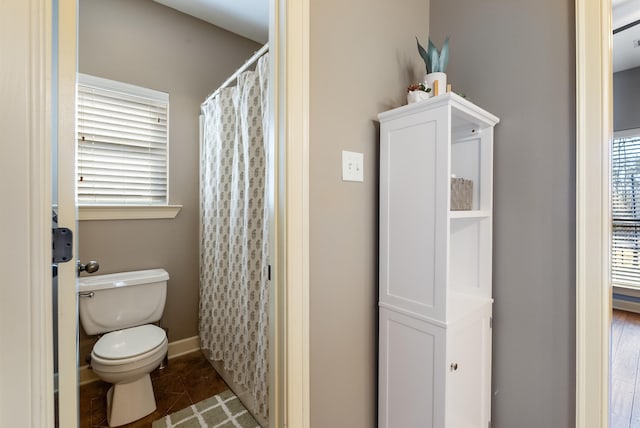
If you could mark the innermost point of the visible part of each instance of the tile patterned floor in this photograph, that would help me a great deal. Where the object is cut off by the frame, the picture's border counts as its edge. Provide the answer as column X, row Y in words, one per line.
column 185, row 381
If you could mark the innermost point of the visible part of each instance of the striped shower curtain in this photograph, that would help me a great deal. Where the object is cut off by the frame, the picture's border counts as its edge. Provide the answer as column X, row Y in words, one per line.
column 235, row 231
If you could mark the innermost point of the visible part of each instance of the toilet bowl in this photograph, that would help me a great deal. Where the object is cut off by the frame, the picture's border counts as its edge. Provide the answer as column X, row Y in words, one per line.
column 123, row 305
column 125, row 358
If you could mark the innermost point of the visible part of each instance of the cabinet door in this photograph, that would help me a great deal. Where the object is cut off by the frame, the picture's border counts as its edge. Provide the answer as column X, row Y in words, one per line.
column 414, row 182
column 411, row 381
column 468, row 379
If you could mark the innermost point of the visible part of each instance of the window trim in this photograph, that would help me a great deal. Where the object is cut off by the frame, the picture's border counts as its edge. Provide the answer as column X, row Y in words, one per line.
column 116, row 86
column 127, row 212
column 621, row 286
column 626, row 133
column 124, row 211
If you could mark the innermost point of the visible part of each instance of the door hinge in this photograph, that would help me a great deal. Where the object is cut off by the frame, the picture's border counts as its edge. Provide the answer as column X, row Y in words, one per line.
column 489, row 424
column 268, row 272
column 62, row 245
column 490, row 326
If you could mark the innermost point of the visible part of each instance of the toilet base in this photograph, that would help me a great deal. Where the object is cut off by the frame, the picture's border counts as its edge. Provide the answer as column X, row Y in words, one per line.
column 128, row 402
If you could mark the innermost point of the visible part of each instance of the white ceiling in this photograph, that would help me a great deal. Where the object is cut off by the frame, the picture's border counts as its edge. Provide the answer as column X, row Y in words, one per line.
column 626, row 52
column 248, row 18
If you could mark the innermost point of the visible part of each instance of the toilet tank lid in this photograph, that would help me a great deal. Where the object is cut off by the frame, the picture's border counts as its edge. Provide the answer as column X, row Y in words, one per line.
column 121, row 279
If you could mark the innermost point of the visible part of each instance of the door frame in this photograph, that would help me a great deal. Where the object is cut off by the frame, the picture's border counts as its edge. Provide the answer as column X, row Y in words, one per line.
column 594, row 112
column 292, row 48
column 26, row 373
column 66, row 52
column 26, row 308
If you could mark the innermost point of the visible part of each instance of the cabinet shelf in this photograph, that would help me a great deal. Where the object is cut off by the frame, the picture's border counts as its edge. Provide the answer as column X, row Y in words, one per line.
column 470, row 214
column 462, row 305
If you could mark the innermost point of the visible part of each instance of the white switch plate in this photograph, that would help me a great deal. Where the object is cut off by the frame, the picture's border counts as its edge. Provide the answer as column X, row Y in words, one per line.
column 352, row 166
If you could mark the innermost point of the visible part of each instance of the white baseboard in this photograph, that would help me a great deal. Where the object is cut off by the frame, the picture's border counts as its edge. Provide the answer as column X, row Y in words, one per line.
column 626, row 298
column 183, row 347
column 176, row 349
column 626, row 305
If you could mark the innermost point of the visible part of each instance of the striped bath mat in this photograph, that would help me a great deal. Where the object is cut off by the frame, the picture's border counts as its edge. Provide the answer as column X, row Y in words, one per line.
column 220, row 411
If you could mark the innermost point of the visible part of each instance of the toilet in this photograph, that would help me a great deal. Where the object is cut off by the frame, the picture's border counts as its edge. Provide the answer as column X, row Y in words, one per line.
column 123, row 307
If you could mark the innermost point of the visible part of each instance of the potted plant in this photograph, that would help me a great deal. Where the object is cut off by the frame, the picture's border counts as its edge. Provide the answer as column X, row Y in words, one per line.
column 436, row 65
column 417, row 92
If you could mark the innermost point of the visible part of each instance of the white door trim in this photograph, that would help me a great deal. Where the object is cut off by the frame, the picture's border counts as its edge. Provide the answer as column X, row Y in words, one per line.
column 67, row 214
column 277, row 398
column 593, row 135
column 292, row 138
column 26, row 364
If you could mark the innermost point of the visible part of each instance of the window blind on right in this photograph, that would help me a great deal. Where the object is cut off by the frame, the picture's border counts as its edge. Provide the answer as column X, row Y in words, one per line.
column 625, row 211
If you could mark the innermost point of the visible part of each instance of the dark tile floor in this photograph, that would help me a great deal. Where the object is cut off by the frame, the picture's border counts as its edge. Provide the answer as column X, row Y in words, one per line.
column 185, row 381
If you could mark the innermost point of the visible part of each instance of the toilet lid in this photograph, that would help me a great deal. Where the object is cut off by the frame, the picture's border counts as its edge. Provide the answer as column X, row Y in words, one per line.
column 129, row 342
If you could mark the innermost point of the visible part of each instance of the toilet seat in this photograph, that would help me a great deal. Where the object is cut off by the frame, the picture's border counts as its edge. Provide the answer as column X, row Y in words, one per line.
column 128, row 369
column 129, row 343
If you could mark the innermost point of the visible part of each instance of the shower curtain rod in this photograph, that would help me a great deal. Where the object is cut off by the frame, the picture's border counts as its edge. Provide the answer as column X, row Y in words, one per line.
column 264, row 49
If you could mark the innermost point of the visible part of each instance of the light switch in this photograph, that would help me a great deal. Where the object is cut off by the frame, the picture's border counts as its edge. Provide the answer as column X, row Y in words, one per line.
column 352, row 166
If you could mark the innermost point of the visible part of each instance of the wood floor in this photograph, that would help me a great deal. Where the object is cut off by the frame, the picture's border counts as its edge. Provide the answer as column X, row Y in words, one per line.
column 625, row 370
column 185, row 381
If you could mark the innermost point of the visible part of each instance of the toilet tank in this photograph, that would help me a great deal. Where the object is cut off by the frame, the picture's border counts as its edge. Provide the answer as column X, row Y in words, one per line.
column 121, row 300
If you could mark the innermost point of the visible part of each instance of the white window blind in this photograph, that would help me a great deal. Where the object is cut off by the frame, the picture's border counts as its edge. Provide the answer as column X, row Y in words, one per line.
column 625, row 242
column 122, row 143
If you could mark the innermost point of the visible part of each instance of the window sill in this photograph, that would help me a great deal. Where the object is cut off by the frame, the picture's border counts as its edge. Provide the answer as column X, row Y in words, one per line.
column 128, row 212
column 626, row 290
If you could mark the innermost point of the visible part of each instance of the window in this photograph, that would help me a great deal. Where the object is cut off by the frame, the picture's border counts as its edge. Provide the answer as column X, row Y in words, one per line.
column 625, row 242
column 122, row 144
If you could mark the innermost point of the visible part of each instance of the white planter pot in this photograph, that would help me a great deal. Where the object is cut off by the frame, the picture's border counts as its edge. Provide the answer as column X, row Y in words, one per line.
column 415, row 96
column 431, row 78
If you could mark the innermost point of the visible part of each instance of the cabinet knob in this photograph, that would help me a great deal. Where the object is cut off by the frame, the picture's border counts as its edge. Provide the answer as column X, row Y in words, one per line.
column 454, row 367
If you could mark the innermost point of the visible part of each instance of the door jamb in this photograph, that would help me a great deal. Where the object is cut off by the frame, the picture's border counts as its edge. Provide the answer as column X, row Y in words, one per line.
column 593, row 137
column 68, row 405
column 292, row 139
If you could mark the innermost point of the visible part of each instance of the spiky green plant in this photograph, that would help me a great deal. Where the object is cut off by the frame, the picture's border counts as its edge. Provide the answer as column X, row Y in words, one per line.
column 433, row 60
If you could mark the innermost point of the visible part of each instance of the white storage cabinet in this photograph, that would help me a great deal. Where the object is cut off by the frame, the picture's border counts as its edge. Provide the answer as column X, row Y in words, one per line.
column 435, row 295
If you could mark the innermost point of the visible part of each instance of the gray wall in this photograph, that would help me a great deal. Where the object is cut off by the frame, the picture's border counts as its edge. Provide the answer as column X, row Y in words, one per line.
column 144, row 43
column 363, row 56
column 515, row 58
column 626, row 99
